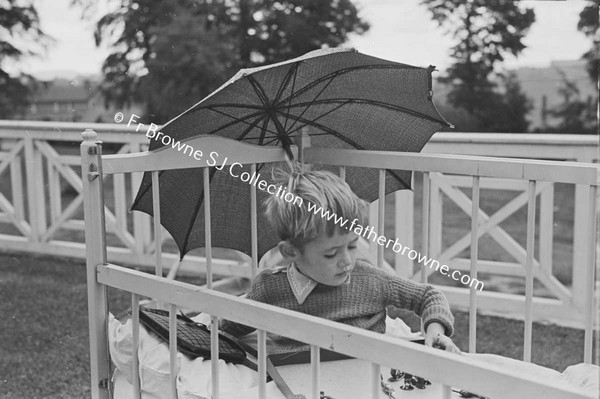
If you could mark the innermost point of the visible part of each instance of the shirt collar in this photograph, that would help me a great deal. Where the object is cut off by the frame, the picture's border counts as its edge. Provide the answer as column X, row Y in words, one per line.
column 301, row 285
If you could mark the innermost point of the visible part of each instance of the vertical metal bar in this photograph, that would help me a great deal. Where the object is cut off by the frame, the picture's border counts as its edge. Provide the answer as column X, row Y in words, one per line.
column 214, row 356
column 138, row 217
column 315, row 363
column 253, row 224
column 529, row 271
column 580, row 242
column 375, row 380
column 101, row 204
column 374, row 223
column 404, row 229
column 207, row 235
column 262, row 363
column 435, row 214
column 343, row 172
column 135, row 326
column 590, row 312
column 546, row 234
column 381, row 216
column 446, row 391
column 473, row 271
column 425, row 225
column 173, row 350
column 94, row 237
column 120, row 200
column 140, row 228
column 214, row 334
column 157, row 225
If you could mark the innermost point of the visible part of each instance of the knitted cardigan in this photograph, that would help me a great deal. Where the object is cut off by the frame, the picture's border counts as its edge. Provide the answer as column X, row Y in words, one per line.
column 361, row 302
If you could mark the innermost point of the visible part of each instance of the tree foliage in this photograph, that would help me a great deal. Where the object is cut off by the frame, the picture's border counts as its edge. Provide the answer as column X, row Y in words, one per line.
column 574, row 114
column 169, row 55
column 19, row 24
column 485, row 32
column 589, row 24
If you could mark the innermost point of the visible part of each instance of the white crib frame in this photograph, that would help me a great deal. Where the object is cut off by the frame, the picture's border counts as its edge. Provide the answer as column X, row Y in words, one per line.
column 435, row 365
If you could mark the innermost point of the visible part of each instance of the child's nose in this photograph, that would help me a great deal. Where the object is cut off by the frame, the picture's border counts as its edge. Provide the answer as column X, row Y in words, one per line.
column 345, row 260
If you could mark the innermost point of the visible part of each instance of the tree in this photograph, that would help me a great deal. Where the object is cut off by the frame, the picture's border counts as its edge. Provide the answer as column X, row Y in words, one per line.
column 19, row 24
column 169, row 55
column 485, row 31
column 574, row 114
column 507, row 111
column 589, row 25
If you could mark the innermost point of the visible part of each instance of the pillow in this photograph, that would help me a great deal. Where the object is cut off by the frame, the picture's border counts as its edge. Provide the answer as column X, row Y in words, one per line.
column 194, row 376
column 153, row 356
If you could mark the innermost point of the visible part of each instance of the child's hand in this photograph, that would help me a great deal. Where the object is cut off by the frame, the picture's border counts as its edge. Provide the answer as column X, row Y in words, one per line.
column 435, row 338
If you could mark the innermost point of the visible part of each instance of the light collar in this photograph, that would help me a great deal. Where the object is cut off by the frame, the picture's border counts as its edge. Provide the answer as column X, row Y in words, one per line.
column 301, row 285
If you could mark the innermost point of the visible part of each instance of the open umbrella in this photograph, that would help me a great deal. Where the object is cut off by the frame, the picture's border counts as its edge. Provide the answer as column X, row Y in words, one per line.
column 344, row 99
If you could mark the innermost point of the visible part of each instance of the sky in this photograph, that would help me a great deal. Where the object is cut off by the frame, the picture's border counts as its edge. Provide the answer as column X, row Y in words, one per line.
column 401, row 30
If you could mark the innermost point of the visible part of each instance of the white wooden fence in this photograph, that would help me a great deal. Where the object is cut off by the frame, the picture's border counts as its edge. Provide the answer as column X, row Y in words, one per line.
column 41, row 210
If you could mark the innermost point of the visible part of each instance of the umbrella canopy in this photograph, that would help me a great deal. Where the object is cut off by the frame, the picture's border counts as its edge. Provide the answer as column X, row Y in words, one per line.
column 343, row 98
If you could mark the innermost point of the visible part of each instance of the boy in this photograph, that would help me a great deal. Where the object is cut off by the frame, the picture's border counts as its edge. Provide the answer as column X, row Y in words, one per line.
column 323, row 277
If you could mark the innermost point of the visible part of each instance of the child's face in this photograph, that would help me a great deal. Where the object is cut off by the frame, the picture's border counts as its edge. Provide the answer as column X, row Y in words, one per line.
column 328, row 260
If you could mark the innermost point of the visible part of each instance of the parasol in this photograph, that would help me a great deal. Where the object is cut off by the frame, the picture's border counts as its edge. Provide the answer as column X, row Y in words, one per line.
column 343, row 98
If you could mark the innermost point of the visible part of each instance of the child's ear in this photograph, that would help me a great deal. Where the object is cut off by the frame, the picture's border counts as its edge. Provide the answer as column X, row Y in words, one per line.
column 287, row 250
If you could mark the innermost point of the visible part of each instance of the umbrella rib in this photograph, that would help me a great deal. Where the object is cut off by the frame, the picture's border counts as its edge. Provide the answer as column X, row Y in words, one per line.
column 291, row 94
column 263, row 130
column 344, row 71
column 285, row 81
column 272, row 113
column 260, row 92
column 350, row 142
column 314, row 119
column 249, row 129
column 236, row 120
column 345, row 101
column 312, row 102
column 331, row 132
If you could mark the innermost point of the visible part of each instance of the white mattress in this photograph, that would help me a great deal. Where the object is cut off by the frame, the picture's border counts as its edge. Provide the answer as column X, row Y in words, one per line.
column 344, row 379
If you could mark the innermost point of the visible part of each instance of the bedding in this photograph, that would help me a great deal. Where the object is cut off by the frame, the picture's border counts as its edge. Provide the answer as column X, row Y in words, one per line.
column 239, row 382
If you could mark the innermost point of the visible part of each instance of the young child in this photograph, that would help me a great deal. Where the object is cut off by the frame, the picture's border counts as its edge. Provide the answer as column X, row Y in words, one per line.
column 323, row 276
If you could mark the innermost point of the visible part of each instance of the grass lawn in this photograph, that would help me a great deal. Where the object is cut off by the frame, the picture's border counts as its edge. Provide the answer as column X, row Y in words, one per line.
column 44, row 338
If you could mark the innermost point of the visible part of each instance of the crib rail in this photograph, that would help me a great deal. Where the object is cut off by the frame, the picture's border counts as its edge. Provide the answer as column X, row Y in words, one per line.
column 438, row 366
column 532, row 171
column 435, row 365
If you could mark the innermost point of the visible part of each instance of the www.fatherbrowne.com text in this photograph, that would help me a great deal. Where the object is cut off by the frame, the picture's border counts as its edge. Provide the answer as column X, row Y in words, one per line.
column 254, row 179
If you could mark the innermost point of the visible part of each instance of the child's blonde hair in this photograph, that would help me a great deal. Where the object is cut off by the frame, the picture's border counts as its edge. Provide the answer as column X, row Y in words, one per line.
column 294, row 222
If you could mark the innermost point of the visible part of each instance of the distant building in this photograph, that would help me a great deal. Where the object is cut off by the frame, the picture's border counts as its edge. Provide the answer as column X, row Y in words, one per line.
column 542, row 86
column 73, row 101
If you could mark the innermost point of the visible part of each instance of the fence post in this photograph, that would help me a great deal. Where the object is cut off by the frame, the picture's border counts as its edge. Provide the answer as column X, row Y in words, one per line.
column 95, row 238
column 580, row 245
column 32, row 195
